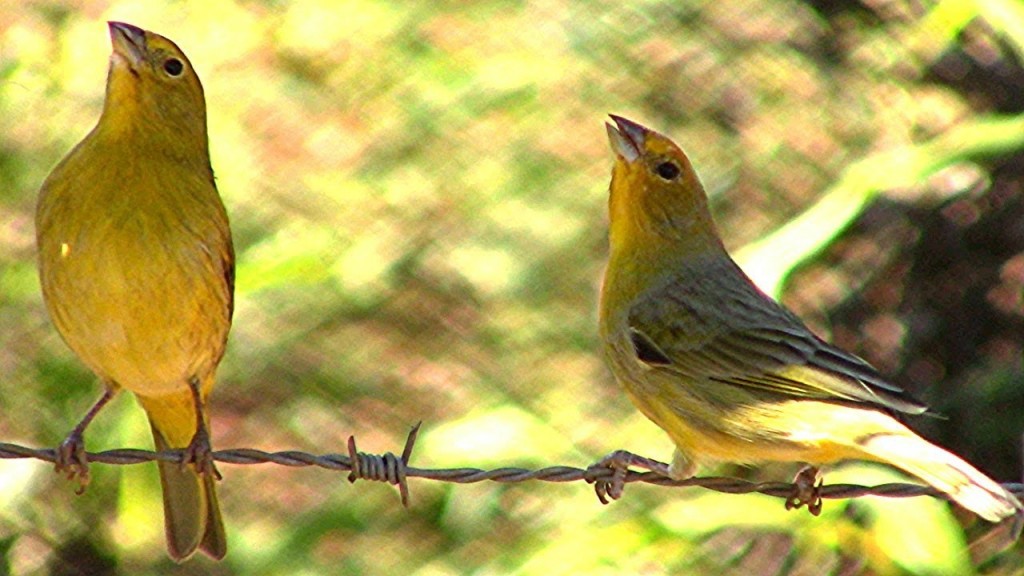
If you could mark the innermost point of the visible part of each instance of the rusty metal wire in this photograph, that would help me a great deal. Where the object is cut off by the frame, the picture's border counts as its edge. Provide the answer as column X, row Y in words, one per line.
column 395, row 470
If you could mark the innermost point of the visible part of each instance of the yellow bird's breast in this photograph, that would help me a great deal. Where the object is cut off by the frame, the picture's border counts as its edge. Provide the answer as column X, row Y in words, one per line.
column 134, row 264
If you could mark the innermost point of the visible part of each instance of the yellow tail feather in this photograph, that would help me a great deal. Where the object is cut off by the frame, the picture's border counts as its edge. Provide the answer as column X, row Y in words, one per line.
column 192, row 519
column 964, row 484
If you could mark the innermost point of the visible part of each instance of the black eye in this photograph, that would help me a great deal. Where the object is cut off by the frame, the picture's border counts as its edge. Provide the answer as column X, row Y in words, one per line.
column 173, row 66
column 667, row 170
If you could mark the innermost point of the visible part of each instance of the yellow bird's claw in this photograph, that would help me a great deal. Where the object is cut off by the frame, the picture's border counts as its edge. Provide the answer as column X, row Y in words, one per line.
column 618, row 463
column 806, row 490
column 71, row 460
column 200, row 455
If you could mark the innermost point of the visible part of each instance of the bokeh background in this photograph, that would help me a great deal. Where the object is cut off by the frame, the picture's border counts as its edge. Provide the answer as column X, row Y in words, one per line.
column 418, row 196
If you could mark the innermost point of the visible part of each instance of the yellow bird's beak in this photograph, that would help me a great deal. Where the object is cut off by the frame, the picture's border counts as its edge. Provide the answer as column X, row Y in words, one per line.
column 627, row 138
column 129, row 42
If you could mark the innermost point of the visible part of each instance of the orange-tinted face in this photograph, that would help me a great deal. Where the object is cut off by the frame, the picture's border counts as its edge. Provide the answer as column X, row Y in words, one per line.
column 151, row 78
column 654, row 187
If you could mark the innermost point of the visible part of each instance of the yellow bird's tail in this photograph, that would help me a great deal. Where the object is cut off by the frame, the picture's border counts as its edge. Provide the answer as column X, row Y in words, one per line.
column 192, row 519
column 964, row 484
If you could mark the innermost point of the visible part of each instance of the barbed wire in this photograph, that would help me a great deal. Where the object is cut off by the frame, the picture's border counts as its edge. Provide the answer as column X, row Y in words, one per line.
column 395, row 470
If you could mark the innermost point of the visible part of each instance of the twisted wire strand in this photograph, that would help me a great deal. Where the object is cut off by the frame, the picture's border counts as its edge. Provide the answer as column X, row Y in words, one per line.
column 395, row 470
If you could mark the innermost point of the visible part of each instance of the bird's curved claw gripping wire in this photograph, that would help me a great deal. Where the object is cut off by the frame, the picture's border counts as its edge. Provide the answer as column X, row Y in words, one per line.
column 806, row 490
column 618, row 463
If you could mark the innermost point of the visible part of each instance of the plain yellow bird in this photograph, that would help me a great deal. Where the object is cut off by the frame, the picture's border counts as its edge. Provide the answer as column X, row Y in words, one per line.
column 729, row 373
column 137, row 269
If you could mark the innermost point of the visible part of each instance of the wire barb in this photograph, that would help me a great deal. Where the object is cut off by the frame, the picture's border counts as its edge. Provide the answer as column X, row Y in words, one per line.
column 383, row 468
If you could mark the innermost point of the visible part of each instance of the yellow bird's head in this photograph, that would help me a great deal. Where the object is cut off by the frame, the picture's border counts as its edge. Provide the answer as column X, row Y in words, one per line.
column 151, row 86
column 655, row 196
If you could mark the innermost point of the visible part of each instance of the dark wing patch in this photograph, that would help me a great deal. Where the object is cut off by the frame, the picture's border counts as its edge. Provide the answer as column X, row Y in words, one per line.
column 647, row 351
column 228, row 262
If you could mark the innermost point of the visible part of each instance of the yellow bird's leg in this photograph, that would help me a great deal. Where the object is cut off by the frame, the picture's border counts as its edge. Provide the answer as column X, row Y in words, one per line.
column 806, row 490
column 681, row 467
column 619, row 463
column 199, row 452
column 71, row 452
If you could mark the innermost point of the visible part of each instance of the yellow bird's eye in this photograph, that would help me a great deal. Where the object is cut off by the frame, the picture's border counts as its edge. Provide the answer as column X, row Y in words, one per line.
column 173, row 67
column 667, row 170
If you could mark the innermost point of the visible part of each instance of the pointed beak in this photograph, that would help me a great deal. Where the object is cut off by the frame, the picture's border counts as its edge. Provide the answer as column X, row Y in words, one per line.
column 129, row 42
column 626, row 137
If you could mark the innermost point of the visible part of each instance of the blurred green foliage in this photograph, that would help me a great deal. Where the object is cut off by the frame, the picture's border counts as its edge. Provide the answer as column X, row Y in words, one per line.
column 417, row 192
